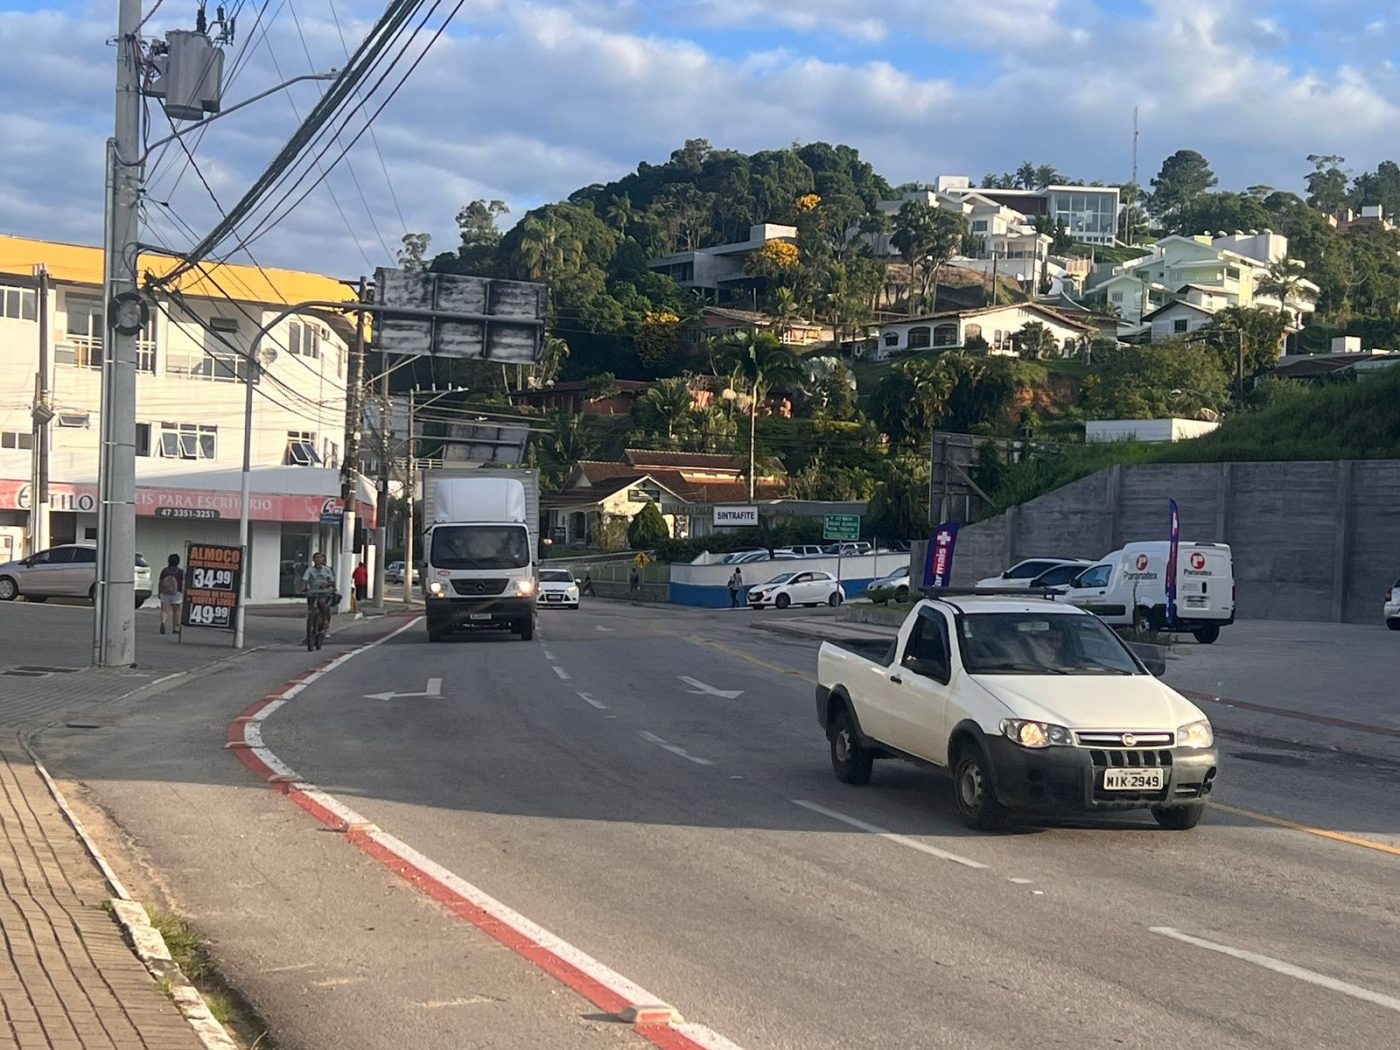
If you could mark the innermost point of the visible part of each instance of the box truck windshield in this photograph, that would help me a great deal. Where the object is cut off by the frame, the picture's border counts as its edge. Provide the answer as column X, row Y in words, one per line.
column 480, row 547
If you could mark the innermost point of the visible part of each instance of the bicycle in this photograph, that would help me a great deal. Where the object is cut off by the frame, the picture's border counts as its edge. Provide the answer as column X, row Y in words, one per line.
column 318, row 618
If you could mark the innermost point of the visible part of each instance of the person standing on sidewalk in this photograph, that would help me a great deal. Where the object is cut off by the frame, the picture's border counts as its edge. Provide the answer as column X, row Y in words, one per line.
column 587, row 587
column 171, row 586
column 361, row 579
column 736, row 584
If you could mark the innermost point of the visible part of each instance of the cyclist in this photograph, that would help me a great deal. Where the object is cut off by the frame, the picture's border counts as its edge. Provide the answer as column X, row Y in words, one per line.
column 320, row 588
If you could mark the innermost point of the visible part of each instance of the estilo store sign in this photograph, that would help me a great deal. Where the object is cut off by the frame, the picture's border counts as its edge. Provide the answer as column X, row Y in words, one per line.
column 190, row 504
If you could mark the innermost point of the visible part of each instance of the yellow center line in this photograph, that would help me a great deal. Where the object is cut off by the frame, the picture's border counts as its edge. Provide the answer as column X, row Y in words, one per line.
column 1335, row 836
column 767, row 665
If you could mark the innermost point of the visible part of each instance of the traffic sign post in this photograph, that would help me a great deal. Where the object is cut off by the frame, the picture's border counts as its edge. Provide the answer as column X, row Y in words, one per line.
column 841, row 527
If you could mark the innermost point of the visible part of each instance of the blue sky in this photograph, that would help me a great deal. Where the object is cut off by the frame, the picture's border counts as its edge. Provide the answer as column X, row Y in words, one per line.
column 527, row 101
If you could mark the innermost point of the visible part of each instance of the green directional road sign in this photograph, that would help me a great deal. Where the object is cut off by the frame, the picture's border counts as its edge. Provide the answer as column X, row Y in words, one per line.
column 842, row 527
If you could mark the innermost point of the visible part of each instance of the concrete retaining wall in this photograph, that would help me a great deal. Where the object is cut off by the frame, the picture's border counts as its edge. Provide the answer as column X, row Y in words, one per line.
column 1311, row 541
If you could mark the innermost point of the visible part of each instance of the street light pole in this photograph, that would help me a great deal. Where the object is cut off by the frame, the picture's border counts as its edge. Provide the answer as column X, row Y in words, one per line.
column 114, row 625
column 40, row 415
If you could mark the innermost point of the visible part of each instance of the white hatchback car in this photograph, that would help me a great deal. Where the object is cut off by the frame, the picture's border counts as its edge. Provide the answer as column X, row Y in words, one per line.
column 797, row 588
column 1020, row 575
column 558, row 589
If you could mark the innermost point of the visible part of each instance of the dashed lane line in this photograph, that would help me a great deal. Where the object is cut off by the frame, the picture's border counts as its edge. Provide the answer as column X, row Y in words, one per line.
column 675, row 749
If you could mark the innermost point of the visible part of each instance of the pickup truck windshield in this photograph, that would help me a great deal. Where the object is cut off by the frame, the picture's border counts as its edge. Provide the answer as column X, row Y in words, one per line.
column 480, row 547
column 1037, row 643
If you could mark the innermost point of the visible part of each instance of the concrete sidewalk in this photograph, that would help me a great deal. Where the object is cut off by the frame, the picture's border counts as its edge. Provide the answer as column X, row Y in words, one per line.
column 68, row 979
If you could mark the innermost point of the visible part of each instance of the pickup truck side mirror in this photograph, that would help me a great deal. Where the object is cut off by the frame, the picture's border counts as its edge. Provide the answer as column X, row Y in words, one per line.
column 926, row 668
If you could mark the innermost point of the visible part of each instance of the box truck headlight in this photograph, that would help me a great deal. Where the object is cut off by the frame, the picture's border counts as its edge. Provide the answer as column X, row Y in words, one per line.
column 435, row 589
column 525, row 587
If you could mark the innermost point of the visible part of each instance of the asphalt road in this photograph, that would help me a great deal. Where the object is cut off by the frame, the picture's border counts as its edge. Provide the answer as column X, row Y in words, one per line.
column 604, row 783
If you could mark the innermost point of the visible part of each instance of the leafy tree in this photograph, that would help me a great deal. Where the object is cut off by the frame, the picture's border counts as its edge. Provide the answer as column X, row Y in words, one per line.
column 1327, row 182
column 1258, row 331
column 897, row 408
column 926, row 238
column 1212, row 212
column 1381, row 186
column 1154, row 382
column 1035, row 341
column 761, row 363
column 480, row 237
column 414, row 251
column 1284, row 282
column 647, row 529
column 1047, row 175
column 1185, row 175
column 621, row 214
column 1025, row 176
column 659, row 338
column 548, row 247
column 777, row 262
column 666, row 408
column 785, row 310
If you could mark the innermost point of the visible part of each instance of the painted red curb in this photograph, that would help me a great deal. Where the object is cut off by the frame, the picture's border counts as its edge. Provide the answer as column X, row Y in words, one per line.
column 665, row 1036
column 1301, row 716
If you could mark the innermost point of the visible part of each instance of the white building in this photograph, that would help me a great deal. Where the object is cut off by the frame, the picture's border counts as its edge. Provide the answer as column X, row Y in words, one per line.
column 721, row 267
column 1089, row 214
column 189, row 410
column 1154, row 430
column 950, row 330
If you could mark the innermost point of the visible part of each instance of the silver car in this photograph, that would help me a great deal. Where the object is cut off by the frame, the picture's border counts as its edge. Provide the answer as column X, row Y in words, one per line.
column 66, row 571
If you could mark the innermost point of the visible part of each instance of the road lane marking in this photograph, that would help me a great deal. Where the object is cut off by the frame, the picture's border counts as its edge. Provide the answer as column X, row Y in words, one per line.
column 548, row 655
column 675, row 749
column 884, row 833
column 699, row 688
column 1324, row 833
column 1284, row 712
column 591, row 702
column 1285, row 968
column 767, row 665
column 594, row 981
column 605, row 630
column 563, row 674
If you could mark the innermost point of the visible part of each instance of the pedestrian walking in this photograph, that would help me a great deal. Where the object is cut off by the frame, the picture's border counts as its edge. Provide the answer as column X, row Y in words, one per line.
column 587, row 586
column 361, row 579
column 736, row 584
column 171, row 586
column 634, row 581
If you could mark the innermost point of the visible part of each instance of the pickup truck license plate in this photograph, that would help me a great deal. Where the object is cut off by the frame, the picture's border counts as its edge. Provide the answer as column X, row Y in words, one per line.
column 1134, row 779
column 481, row 616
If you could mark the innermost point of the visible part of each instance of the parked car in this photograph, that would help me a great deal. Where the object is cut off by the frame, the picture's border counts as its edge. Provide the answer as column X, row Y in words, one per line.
column 66, row 571
column 393, row 573
column 1059, row 579
column 558, row 588
column 802, row 550
column 850, row 549
column 797, row 588
column 1019, row 576
column 1128, row 588
column 733, row 557
column 1030, row 705
column 1392, row 607
column 752, row 556
column 899, row 580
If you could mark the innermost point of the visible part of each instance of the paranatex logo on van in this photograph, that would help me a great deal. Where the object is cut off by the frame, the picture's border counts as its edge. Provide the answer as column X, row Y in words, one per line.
column 1198, row 565
column 1140, row 563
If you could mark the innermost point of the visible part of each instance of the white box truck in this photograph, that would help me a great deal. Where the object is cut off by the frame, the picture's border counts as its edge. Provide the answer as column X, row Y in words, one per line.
column 1129, row 588
column 480, row 550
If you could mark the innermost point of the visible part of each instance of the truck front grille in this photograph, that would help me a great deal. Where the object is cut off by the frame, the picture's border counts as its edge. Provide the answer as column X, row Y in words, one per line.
column 1129, row 758
column 479, row 588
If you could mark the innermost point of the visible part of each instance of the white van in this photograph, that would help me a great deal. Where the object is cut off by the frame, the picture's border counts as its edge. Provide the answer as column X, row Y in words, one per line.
column 1128, row 588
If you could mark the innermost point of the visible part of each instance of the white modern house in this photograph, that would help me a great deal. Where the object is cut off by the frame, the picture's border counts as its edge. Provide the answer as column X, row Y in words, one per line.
column 721, row 267
column 951, row 329
column 190, row 388
column 1088, row 213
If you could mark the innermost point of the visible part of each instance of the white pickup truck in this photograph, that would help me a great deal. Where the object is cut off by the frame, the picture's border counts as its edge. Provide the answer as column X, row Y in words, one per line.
column 1030, row 705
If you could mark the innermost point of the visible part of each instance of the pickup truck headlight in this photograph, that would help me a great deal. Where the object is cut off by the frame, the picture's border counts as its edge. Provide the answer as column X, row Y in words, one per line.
column 435, row 589
column 1029, row 733
column 1195, row 734
column 525, row 587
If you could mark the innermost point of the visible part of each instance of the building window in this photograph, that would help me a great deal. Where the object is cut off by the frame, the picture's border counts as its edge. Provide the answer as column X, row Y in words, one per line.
column 1232, row 273
column 16, row 439
column 146, row 348
column 18, row 304
column 143, row 439
column 946, row 334
column 920, row 337
column 83, row 324
column 304, row 340
column 1115, row 297
column 301, row 450
column 1179, row 325
column 972, row 331
column 980, row 226
column 75, row 420
column 892, row 339
column 997, row 338
column 188, row 441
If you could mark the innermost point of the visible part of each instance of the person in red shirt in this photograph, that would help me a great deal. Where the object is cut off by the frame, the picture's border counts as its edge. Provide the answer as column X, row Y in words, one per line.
column 361, row 580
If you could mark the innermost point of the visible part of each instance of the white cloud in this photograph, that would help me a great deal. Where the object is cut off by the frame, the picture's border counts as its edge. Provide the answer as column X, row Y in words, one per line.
column 958, row 21
column 526, row 102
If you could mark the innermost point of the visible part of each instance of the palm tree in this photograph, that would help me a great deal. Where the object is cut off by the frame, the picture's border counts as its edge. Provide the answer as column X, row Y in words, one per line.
column 667, row 405
column 621, row 214
column 1284, row 282
column 762, row 363
column 1025, row 176
column 785, row 310
column 547, row 245
column 1046, row 175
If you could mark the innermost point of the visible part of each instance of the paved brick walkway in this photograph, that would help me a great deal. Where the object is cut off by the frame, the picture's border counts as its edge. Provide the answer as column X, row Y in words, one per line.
column 68, row 980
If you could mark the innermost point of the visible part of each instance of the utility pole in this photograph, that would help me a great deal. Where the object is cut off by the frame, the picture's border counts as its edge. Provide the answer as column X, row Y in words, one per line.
column 382, row 502
column 349, row 471
column 114, row 628
column 411, row 482
column 1128, row 211
column 41, row 415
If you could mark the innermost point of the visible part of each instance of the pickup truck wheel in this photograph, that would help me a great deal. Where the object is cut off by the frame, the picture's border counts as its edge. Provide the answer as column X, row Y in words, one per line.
column 1207, row 635
column 782, row 601
column 973, row 797
column 850, row 761
column 1179, row 818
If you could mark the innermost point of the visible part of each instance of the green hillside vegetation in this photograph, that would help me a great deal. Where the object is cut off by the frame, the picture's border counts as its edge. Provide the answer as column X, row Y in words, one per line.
column 1348, row 420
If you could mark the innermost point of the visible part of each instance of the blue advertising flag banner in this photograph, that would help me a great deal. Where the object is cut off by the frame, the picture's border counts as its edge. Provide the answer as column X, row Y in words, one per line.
column 938, row 561
column 1172, row 552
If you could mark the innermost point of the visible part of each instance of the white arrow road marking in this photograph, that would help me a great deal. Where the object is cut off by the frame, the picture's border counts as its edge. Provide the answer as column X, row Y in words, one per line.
column 1285, row 968
column 699, row 688
column 434, row 691
column 675, row 749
